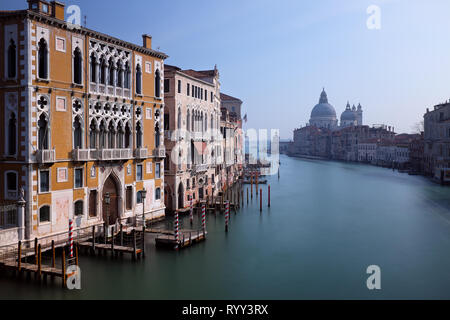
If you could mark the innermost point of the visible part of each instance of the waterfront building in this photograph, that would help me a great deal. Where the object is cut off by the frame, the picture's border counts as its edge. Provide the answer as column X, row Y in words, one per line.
column 416, row 154
column 83, row 117
column 367, row 150
column 437, row 142
column 192, row 118
column 231, row 168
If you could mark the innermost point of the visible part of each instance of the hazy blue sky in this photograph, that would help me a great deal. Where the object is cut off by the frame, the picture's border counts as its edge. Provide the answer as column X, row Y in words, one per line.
column 277, row 55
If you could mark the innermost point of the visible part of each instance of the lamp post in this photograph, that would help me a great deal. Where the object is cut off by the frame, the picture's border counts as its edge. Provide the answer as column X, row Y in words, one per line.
column 144, row 195
column 107, row 199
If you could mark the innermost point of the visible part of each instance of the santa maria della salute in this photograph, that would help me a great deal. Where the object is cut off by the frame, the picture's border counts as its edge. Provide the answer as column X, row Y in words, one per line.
column 348, row 139
column 323, row 115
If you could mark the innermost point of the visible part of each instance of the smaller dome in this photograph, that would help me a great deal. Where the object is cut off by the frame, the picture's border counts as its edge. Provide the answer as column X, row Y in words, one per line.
column 348, row 114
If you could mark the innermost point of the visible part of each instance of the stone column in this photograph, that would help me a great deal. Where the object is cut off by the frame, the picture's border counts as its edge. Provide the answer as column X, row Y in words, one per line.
column 21, row 215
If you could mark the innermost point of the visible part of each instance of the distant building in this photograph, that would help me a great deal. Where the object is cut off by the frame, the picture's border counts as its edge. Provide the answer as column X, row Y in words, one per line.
column 437, row 142
column 323, row 115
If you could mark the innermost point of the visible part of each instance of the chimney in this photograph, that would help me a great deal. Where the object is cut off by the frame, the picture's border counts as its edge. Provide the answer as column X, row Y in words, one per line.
column 147, row 41
column 58, row 10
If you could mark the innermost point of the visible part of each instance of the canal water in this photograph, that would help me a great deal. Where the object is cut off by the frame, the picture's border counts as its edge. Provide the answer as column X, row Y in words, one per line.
column 328, row 222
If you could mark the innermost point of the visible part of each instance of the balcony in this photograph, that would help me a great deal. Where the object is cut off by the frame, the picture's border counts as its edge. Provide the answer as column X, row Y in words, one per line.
column 159, row 152
column 201, row 167
column 80, row 155
column 141, row 153
column 99, row 88
column 111, row 154
column 45, row 156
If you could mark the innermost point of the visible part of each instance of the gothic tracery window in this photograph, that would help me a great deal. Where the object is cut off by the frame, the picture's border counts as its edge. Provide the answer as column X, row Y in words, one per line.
column 138, row 79
column 43, row 133
column 43, row 59
column 77, row 66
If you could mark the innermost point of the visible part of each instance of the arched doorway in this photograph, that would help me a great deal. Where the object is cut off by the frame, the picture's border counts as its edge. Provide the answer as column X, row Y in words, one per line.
column 111, row 187
column 180, row 196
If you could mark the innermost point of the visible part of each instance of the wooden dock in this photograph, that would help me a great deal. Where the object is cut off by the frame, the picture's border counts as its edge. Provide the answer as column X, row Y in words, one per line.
column 130, row 240
column 186, row 239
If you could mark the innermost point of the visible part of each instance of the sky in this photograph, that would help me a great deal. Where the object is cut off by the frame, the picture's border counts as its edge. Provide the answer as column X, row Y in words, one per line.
column 276, row 56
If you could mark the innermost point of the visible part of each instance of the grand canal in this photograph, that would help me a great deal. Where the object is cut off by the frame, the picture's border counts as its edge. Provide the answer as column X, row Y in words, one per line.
column 328, row 222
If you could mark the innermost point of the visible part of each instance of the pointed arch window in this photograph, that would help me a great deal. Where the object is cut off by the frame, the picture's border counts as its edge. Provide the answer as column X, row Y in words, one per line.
column 43, row 133
column 179, row 119
column 120, row 74
column 120, row 135
column 188, row 121
column 12, row 56
column 102, row 70
column 127, row 135
column 157, row 84
column 138, row 135
column 112, row 72
column 12, row 134
column 111, row 135
column 138, row 79
column 43, row 59
column 102, row 137
column 77, row 66
column 77, row 134
column 93, row 135
column 193, row 122
column 157, row 136
column 93, row 68
column 126, row 77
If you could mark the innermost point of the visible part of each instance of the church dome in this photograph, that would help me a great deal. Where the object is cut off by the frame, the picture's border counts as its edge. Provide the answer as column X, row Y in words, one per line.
column 348, row 114
column 323, row 109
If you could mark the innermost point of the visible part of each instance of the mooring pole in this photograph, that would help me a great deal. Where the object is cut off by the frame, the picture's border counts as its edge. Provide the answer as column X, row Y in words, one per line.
column 143, row 241
column 251, row 184
column 19, row 256
column 175, row 225
column 93, row 239
column 134, row 244
column 63, row 267
column 260, row 200
column 76, row 253
column 121, row 234
column 112, row 242
column 204, row 220
column 227, row 215
column 268, row 199
column 53, row 253
column 191, row 213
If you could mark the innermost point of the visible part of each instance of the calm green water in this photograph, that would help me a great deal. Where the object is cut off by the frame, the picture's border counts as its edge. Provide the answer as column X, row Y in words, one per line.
column 328, row 222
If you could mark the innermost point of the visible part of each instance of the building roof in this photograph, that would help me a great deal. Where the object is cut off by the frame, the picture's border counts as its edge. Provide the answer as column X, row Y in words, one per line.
column 82, row 30
column 323, row 109
column 225, row 97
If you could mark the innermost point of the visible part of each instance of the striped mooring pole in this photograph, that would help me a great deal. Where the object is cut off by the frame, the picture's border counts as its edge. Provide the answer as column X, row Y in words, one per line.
column 71, row 237
column 227, row 215
column 203, row 218
column 176, row 229
column 191, row 213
